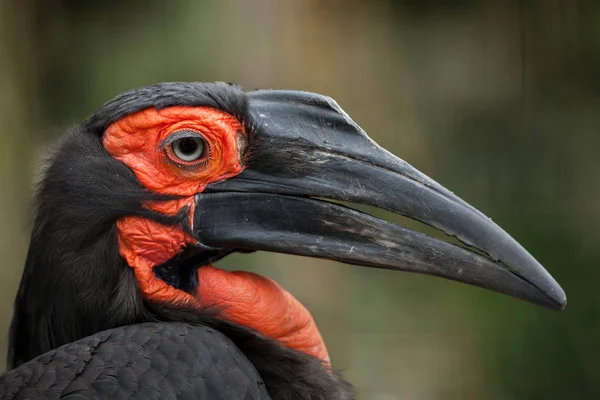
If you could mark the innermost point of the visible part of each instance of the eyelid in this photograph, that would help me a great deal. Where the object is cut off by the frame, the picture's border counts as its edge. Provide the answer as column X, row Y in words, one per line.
column 180, row 134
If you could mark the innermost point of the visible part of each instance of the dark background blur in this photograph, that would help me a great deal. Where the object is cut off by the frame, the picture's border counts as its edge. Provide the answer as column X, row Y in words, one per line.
column 497, row 100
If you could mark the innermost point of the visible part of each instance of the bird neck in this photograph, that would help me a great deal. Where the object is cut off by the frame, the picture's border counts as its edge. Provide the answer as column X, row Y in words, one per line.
column 74, row 282
column 65, row 295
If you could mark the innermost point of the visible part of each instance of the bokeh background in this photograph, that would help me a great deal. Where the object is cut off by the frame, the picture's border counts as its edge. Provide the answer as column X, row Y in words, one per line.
column 497, row 100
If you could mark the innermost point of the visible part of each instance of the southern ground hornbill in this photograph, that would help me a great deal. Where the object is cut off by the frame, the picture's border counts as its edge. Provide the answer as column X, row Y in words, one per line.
column 118, row 297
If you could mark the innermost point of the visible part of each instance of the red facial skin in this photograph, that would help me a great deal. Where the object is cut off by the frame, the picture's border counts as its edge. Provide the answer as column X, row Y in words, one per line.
column 247, row 299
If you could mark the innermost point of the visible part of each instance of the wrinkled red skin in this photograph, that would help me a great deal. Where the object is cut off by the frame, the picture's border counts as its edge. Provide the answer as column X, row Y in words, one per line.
column 247, row 299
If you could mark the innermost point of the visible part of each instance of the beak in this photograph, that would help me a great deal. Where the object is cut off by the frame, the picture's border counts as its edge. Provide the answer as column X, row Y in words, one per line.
column 306, row 150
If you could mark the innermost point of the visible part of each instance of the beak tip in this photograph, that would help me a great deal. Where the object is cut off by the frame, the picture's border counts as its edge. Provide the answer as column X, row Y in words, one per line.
column 558, row 298
column 563, row 303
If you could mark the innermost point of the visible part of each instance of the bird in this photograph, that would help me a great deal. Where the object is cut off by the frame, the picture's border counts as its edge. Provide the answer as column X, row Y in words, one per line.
column 119, row 297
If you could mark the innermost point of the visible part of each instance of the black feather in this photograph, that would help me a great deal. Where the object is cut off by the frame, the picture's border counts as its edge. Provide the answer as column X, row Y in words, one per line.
column 143, row 361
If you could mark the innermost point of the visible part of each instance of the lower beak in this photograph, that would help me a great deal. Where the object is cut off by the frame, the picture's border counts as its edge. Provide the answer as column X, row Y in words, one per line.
column 305, row 151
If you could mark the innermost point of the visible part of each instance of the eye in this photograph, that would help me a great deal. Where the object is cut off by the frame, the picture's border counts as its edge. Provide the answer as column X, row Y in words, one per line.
column 188, row 148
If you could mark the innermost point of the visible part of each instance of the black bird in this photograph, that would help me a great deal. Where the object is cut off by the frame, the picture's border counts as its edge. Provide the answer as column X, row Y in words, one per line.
column 159, row 183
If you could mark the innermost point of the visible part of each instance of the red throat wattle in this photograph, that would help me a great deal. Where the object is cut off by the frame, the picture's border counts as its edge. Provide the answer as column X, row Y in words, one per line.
column 245, row 298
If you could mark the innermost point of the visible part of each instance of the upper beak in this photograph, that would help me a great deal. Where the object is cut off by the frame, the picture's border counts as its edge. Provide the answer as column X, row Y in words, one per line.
column 306, row 147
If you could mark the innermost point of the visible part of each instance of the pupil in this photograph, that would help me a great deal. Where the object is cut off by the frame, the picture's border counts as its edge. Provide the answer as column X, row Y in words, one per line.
column 188, row 145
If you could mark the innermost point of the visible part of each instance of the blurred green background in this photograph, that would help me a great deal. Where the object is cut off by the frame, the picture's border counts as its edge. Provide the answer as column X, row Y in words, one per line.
column 497, row 100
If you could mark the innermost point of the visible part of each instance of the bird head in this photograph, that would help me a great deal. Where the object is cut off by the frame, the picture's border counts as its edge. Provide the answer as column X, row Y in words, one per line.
column 159, row 183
